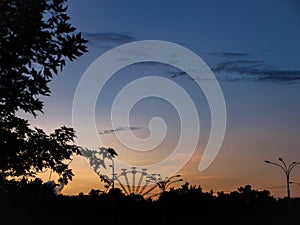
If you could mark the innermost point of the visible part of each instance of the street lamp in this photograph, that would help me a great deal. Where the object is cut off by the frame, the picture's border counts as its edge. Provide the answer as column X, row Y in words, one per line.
column 287, row 170
column 164, row 184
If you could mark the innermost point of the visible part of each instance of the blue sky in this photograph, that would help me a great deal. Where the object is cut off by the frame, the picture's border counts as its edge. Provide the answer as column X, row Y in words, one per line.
column 251, row 46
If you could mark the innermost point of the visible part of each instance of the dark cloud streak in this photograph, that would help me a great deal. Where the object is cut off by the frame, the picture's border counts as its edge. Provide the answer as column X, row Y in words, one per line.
column 229, row 54
column 234, row 66
column 107, row 39
column 111, row 131
column 257, row 70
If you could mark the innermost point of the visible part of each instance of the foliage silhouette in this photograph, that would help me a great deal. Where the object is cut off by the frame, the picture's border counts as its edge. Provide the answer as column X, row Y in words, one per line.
column 188, row 204
column 36, row 40
column 96, row 159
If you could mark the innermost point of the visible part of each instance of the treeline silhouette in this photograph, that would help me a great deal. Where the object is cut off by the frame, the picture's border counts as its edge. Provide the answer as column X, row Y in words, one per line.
column 36, row 41
column 35, row 202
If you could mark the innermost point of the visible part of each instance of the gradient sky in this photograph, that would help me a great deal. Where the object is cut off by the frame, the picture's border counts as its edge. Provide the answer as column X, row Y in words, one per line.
column 253, row 49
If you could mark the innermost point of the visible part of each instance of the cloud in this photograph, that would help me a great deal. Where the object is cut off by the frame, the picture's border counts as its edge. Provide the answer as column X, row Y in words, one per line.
column 239, row 66
column 118, row 129
column 175, row 74
column 256, row 70
column 234, row 66
column 107, row 39
column 252, row 70
column 229, row 54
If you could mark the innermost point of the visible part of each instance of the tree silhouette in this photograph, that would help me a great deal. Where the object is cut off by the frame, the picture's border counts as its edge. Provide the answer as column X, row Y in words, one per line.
column 96, row 159
column 112, row 152
column 36, row 40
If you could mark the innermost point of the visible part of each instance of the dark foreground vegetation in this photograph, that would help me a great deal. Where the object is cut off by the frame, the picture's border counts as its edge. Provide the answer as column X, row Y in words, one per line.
column 35, row 203
column 36, row 41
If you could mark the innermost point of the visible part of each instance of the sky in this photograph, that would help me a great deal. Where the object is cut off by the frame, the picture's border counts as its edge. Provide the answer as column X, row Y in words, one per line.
column 253, row 50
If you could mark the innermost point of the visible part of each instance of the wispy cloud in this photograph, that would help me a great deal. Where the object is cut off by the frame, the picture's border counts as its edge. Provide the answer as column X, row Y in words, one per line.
column 230, row 66
column 107, row 39
column 111, row 131
column 236, row 66
column 175, row 74
column 256, row 70
column 222, row 54
column 229, row 54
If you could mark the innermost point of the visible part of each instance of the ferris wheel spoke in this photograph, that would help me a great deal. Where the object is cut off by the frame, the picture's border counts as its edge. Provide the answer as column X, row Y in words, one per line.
column 122, row 186
column 133, row 178
column 143, row 188
column 127, row 182
column 150, row 189
column 136, row 181
column 143, row 174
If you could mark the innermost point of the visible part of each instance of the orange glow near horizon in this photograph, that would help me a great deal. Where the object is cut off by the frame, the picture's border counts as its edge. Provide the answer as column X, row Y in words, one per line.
column 216, row 178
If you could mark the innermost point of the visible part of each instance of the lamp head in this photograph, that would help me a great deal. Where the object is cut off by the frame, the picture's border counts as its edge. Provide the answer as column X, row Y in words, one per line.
column 280, row 159
column 266, row 161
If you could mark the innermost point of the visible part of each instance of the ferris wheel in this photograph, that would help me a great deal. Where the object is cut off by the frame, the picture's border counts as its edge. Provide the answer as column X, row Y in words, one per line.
column 137, row 181
column 132, row 180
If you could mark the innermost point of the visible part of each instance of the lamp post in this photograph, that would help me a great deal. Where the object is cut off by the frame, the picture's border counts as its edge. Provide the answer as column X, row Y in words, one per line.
column 287, row 170
column 164, row 184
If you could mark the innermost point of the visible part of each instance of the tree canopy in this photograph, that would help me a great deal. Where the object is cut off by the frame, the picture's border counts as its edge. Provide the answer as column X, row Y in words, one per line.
column 36, row 41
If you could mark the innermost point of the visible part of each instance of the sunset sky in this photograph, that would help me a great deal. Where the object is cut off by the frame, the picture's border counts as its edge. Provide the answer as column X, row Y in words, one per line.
column 253, row 49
